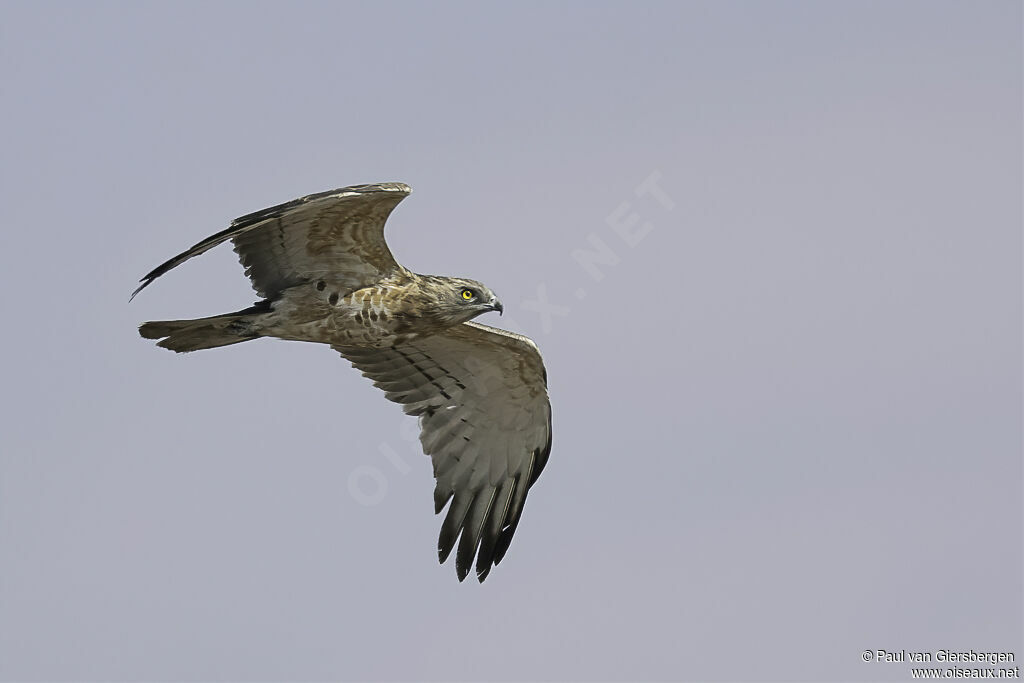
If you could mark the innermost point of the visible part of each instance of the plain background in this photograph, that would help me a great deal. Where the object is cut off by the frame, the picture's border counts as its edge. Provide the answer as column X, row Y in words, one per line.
column 787, row 415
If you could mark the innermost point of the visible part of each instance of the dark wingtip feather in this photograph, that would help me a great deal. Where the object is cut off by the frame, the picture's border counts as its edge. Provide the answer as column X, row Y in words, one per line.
column 461, row 570
column 444, row 547
column 492, row 529
column 441, row 499
column 516, row 504
column 138, row 289
column 501, row 547
column 472, row 530
column 452, row 525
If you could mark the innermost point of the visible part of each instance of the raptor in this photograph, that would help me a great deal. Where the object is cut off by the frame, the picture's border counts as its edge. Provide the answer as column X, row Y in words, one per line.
column 326, row 275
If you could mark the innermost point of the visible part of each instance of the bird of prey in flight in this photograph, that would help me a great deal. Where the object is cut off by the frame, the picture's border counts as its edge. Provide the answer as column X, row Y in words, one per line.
column 326, row 275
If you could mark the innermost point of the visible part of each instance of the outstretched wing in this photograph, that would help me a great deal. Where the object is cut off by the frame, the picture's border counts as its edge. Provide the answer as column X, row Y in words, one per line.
column 485, row 420
column 338, row 233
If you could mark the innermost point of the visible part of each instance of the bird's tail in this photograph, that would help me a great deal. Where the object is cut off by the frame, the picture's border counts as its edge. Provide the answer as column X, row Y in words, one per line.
column 205, row 333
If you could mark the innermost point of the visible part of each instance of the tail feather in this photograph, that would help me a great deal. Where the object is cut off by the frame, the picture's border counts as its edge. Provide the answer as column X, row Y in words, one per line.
column 204, row 333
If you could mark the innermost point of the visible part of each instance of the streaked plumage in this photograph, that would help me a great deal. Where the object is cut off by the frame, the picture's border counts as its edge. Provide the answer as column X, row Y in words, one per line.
column 327, row 276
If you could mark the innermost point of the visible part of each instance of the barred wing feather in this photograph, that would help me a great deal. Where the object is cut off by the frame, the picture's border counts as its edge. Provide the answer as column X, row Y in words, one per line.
column 485, row 420
column 338, row 234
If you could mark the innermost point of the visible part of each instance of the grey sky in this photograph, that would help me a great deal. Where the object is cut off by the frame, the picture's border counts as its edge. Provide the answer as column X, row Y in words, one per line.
column 787, row 418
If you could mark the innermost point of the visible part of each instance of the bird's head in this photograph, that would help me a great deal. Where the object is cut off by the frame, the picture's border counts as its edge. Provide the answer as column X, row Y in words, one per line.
column 458, row 299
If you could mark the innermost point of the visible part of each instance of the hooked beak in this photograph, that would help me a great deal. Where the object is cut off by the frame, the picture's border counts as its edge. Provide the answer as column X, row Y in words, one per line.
column 496, row 306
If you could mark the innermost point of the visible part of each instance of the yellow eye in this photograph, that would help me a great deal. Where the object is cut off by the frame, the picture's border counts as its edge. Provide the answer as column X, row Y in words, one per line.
column 467, row 294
